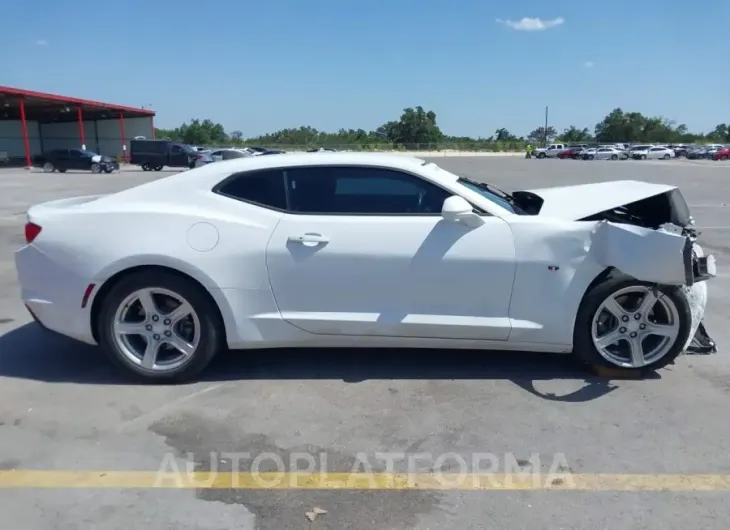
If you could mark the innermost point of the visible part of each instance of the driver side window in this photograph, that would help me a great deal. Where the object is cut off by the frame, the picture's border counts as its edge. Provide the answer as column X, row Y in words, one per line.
column 361, row 191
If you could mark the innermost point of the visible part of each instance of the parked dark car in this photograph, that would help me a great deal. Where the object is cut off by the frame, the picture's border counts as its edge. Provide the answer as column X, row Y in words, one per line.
column 266, row 150
column 153, row 155
column 62, row 160
column 700, row 153
column 680, row 150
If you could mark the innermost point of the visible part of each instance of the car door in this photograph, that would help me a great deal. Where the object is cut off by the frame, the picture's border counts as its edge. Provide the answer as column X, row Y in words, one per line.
column 365, row 251
column 179, row 156
column 655, row 153
column 61, row 159
column 603, row 154
column 78, row 160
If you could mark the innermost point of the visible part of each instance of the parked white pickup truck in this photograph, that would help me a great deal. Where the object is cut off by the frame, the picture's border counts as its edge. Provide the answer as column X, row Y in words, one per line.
column 551, row 151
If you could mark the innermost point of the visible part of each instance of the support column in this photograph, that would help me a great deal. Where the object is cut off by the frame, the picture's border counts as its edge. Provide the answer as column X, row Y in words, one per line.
column 24, row 128
column 153, row 127
column 82, row 137
column 124, row 137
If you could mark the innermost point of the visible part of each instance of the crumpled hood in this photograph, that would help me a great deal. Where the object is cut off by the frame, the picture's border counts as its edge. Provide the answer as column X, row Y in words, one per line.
column 583, row 200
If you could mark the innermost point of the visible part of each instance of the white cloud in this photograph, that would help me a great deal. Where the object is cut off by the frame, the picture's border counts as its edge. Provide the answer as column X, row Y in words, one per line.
column 532, row 24
column 41, row 42
column 589, row 64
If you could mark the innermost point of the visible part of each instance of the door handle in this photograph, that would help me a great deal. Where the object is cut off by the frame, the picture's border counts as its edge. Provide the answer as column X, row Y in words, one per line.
column 309, row 238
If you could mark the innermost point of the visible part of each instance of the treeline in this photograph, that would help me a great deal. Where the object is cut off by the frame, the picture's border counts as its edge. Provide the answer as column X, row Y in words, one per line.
column 417, row 129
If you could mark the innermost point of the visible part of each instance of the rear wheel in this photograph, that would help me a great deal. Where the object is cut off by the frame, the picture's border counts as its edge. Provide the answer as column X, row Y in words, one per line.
column 158, row 168
column 160, row 327
column 632, row 325
column 723, row 157
column 48, row 167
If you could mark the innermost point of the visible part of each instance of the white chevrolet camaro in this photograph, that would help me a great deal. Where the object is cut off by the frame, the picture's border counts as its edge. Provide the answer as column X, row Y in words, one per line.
column 364, row 250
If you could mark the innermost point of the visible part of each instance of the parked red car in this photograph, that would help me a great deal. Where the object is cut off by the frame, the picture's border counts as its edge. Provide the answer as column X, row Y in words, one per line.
column 571, row 152
column 722, row 154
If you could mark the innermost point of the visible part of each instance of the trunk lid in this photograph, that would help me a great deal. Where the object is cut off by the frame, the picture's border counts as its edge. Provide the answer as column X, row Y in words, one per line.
column 41, row 210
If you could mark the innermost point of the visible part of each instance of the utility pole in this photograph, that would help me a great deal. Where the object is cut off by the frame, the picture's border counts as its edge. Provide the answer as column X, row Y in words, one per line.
column 544, row 140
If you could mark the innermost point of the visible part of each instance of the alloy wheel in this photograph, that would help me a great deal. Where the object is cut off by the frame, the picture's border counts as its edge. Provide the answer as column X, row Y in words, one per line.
column 156, row 329
column 635, row 326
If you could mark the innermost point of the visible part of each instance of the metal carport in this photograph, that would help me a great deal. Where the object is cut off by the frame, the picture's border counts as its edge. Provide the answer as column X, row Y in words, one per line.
column 32, row 122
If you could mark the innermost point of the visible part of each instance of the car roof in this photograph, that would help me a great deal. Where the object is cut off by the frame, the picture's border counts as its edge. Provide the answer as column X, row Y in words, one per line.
column 208, row 176
column 321, row 158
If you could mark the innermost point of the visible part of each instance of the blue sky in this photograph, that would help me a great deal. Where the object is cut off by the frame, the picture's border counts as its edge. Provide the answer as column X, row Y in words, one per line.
column 266, row 65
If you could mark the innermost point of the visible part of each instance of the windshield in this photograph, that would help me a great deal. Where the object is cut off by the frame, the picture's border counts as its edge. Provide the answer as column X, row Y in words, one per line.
column 491, row 193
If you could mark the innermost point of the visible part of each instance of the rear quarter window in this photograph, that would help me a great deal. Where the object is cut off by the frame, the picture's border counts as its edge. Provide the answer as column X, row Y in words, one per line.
column 262, row 188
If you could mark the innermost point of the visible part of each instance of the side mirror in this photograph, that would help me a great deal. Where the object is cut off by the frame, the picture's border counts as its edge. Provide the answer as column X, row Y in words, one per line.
column 458, row 210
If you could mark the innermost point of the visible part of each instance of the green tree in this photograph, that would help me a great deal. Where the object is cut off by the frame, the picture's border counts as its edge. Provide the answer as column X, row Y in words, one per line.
column 721, row 133
column 542, row 135
column 574, row 135
column 417, row 129
column 503, row 135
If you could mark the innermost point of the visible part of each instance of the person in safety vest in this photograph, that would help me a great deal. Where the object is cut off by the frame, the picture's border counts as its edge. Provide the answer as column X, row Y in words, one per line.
column 528, row 154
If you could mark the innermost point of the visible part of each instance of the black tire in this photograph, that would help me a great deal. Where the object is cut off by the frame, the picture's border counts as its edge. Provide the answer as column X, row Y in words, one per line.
column 591, row 157
column 541, row 155
column 48, row 167
column 108, row 170
column 211, row 326
column 666, row 157
column 643, row 157
column 146, row 167
column 95, row 168
column 584, row 349
column 62, row 171
column 614, row 157
column 158, row 168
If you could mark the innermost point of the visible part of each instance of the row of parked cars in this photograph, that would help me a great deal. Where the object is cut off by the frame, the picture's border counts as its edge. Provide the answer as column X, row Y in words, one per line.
column 153, row 155
column 636, row 152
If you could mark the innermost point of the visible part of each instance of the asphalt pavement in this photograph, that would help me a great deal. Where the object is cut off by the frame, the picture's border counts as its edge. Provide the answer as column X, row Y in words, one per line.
column 80, row 447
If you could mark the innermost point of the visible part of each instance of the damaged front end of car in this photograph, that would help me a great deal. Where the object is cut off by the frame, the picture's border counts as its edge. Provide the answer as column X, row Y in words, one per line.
column 644, row 230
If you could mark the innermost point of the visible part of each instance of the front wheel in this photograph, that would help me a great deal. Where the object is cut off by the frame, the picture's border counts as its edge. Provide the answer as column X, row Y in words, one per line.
column 628, row 324
column 723, row 157
column 643, row 157
column 591, row 157
column 667, row 157
column 146, row 167
column 541, row 155
column 614, row 157
column 48, row 167
column 95, row 168
column 158, row 168
column 160, row 327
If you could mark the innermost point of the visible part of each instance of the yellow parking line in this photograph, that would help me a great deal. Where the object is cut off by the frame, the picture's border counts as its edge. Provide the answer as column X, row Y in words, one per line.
column 364, row 481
